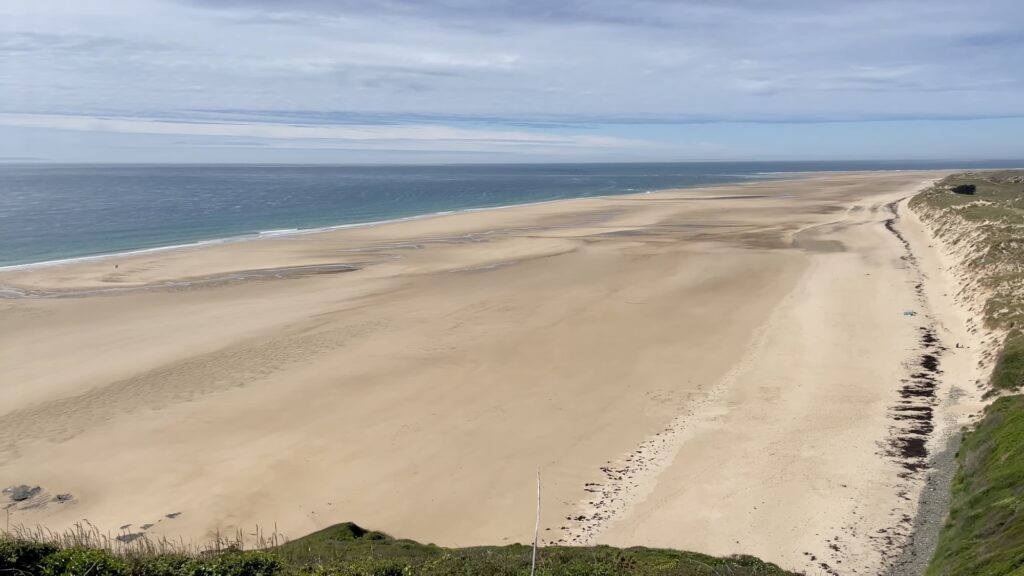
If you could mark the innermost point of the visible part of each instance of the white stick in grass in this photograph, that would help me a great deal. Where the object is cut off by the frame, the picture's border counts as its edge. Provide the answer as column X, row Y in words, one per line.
column 536, row 528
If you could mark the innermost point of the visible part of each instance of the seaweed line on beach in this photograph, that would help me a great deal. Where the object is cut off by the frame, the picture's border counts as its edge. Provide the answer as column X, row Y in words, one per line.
column 912, row 415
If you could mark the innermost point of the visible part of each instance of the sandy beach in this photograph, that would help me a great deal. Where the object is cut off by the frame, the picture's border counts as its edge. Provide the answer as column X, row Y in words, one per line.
column 719, row 369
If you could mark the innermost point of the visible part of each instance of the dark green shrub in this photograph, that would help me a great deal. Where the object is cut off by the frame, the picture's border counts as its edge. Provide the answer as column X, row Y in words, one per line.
column 165, row 565
column 234, row 564
column 82, row 562
column 22, row 555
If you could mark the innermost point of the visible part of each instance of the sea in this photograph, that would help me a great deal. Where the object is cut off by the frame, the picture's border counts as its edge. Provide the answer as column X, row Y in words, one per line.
column 51, row 213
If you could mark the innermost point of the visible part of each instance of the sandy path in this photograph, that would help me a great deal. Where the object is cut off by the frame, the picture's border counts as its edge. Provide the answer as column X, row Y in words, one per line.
column 747, row 340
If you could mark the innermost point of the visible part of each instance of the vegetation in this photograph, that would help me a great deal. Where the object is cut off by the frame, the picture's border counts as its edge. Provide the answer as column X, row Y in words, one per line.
column 989, row 226
column 985, row 531
column 1009, row 370
column 348, row 550
column 984, row 534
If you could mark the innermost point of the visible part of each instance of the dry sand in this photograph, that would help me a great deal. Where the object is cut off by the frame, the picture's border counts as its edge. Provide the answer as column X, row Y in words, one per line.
column 712, row 369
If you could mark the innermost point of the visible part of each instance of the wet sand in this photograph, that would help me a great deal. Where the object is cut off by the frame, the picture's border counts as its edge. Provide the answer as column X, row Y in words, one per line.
column 716, row 369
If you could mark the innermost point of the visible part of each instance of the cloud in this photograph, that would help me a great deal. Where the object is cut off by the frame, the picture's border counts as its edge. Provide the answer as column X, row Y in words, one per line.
column 546, row 68
column 492, row 12
column 376, row 136
column 24, row 43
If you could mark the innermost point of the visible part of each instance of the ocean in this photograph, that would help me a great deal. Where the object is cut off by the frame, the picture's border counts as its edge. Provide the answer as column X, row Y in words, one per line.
column 57, row 212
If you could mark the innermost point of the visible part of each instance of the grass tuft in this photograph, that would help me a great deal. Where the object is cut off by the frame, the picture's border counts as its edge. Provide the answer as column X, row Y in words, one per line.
column 1009, row 370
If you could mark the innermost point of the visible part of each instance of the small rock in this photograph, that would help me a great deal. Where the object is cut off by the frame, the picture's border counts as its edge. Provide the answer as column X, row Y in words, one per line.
column 173, row 515
column 22, row 493
column 64, row 498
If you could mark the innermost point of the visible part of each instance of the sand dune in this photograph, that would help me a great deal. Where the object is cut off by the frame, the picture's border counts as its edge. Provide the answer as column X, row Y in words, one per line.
column 712, row 369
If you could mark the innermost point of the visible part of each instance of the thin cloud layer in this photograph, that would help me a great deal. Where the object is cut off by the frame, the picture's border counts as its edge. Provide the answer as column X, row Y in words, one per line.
column 560, row 71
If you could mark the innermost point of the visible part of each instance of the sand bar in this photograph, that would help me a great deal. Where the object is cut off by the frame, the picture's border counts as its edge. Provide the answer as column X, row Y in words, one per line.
column 711, row 369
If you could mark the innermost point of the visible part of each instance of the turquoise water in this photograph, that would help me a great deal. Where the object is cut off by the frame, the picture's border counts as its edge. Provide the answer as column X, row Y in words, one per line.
column 54, row 212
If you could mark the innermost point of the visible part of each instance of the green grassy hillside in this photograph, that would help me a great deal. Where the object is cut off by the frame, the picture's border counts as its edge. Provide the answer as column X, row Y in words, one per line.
column 985, row 532
column 348, row 550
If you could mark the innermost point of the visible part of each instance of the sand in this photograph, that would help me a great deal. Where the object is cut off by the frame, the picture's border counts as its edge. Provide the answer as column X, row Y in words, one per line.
column 712, row 369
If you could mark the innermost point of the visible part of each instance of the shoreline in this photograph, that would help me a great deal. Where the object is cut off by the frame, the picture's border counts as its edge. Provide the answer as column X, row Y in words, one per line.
column 286, row 232
column 771, row 176
column 14, row 291
column 265, row 235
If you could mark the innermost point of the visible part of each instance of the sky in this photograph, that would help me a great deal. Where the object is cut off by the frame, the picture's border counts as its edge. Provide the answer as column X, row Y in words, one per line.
column 440, row 81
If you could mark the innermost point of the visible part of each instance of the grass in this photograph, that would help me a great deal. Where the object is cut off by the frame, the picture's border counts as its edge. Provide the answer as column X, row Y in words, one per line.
column 347, row 550
column 984, row 533
column 1009, row 369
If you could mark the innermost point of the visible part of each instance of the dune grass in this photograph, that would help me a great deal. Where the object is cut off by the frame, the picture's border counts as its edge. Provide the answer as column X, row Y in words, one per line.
column 346, row 550
column 1009, row 370
column 993, row 219
column 984, row 533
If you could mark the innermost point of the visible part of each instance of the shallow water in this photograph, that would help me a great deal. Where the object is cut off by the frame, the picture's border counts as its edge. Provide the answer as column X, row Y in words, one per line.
column 52, row 212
